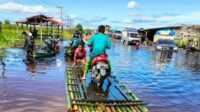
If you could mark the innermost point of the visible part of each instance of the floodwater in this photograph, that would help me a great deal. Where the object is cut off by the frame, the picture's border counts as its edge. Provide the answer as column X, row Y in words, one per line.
column 32, row 88
column 168, row 81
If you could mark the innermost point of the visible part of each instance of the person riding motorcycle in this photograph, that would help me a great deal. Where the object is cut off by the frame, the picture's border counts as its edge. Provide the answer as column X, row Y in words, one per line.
column 99, row 43
column 80, row 54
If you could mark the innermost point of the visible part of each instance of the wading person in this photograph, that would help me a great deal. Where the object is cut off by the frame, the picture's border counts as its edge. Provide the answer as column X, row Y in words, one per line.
column 137, row 45
column 29, row 45
column 80, row 54
column 99, row 43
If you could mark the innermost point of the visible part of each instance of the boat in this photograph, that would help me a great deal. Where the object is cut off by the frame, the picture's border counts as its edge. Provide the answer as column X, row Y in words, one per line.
column 43, row 54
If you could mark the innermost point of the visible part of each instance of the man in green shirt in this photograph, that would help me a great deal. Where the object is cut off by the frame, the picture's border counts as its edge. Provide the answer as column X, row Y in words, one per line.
column 99, row 43
column 77, row 42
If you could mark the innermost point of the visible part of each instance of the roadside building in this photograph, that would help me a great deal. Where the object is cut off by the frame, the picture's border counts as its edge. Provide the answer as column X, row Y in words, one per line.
column 182, row 35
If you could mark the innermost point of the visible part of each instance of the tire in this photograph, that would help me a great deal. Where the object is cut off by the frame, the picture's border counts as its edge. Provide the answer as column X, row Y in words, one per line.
column 101, row 81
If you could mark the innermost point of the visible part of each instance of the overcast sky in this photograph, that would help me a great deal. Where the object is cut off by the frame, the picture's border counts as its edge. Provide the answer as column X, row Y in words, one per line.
column 117, row 13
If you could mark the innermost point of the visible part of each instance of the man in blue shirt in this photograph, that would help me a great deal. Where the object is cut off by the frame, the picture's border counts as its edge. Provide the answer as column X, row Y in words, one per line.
column 99, row 43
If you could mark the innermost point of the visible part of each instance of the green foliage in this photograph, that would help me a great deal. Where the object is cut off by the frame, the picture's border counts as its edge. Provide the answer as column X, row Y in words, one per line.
column 181, row 43
column 88, row 30
column 7, row 22
column 79, row 27
column 10, row 37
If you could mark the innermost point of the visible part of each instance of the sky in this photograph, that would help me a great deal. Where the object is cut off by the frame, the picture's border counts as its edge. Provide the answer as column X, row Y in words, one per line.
column 117, row 13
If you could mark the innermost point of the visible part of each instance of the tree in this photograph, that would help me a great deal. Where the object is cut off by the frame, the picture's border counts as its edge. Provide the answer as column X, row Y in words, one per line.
column 7, row 21
column 79, row 27
column 0, row 27
column 88, row 30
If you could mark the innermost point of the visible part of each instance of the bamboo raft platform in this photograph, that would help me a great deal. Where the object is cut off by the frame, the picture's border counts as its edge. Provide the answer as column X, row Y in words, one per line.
column 87, row 97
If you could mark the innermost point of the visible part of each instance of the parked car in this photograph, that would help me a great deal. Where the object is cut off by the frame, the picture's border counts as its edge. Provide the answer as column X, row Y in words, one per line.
column 130, row 36
column 117, row 35
column 165, row 44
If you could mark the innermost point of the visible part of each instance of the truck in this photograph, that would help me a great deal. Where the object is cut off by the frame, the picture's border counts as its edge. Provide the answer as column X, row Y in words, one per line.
column 117, row 34
column 130, row 36
column 164, row 34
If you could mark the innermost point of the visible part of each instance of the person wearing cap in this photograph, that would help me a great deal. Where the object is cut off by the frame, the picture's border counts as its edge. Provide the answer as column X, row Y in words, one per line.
column 29, row 44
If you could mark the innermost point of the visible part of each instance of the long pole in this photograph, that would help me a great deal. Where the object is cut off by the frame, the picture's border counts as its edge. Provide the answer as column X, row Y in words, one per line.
column 61, row 11
column 69, row 23
column 41, row 32
column 17, row 30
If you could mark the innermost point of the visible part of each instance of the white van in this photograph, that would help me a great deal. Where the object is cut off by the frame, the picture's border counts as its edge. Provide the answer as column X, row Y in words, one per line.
column 130, row 36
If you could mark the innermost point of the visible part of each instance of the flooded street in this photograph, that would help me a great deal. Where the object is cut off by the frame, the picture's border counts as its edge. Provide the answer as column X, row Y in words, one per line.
column 32, row 88
column 169, row 82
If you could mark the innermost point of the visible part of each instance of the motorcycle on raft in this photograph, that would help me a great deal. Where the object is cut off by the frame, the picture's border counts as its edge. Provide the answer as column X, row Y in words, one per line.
column 100, row 69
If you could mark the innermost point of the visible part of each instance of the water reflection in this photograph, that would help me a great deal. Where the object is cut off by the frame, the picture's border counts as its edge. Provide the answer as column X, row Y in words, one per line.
column 2, row 63
column 20, row 93
column 162, row 58
column 31, row 67
column 190, row 60
column 3, row 68
column 175, row 89
column 96, row 93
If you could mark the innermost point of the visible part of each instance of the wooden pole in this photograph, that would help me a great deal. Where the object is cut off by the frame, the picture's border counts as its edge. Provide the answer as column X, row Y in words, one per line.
column 199, row 43
column 41, row 31
column 17, row 30
column 62, row 32
column 0, row 29
column 22, row 26
column 26, row 26
column 58, row 31
column 51, row 29
column 47, row 31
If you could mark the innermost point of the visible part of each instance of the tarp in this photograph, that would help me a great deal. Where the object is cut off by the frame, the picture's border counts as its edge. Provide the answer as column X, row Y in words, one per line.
column 167, row 32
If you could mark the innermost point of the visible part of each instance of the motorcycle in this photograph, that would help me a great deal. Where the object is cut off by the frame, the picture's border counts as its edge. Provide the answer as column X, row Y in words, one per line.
column 100, row 69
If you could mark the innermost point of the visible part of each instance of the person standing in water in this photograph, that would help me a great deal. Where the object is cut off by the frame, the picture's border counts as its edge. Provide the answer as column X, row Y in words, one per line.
column 29, row 45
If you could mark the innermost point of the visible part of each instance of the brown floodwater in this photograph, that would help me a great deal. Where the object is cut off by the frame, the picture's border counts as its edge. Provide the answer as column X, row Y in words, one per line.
column 32, row 88
column 168, row 81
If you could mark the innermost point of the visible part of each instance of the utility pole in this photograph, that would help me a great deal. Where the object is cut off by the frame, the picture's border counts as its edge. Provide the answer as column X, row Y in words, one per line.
column 61, row 11
column 69, row 23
